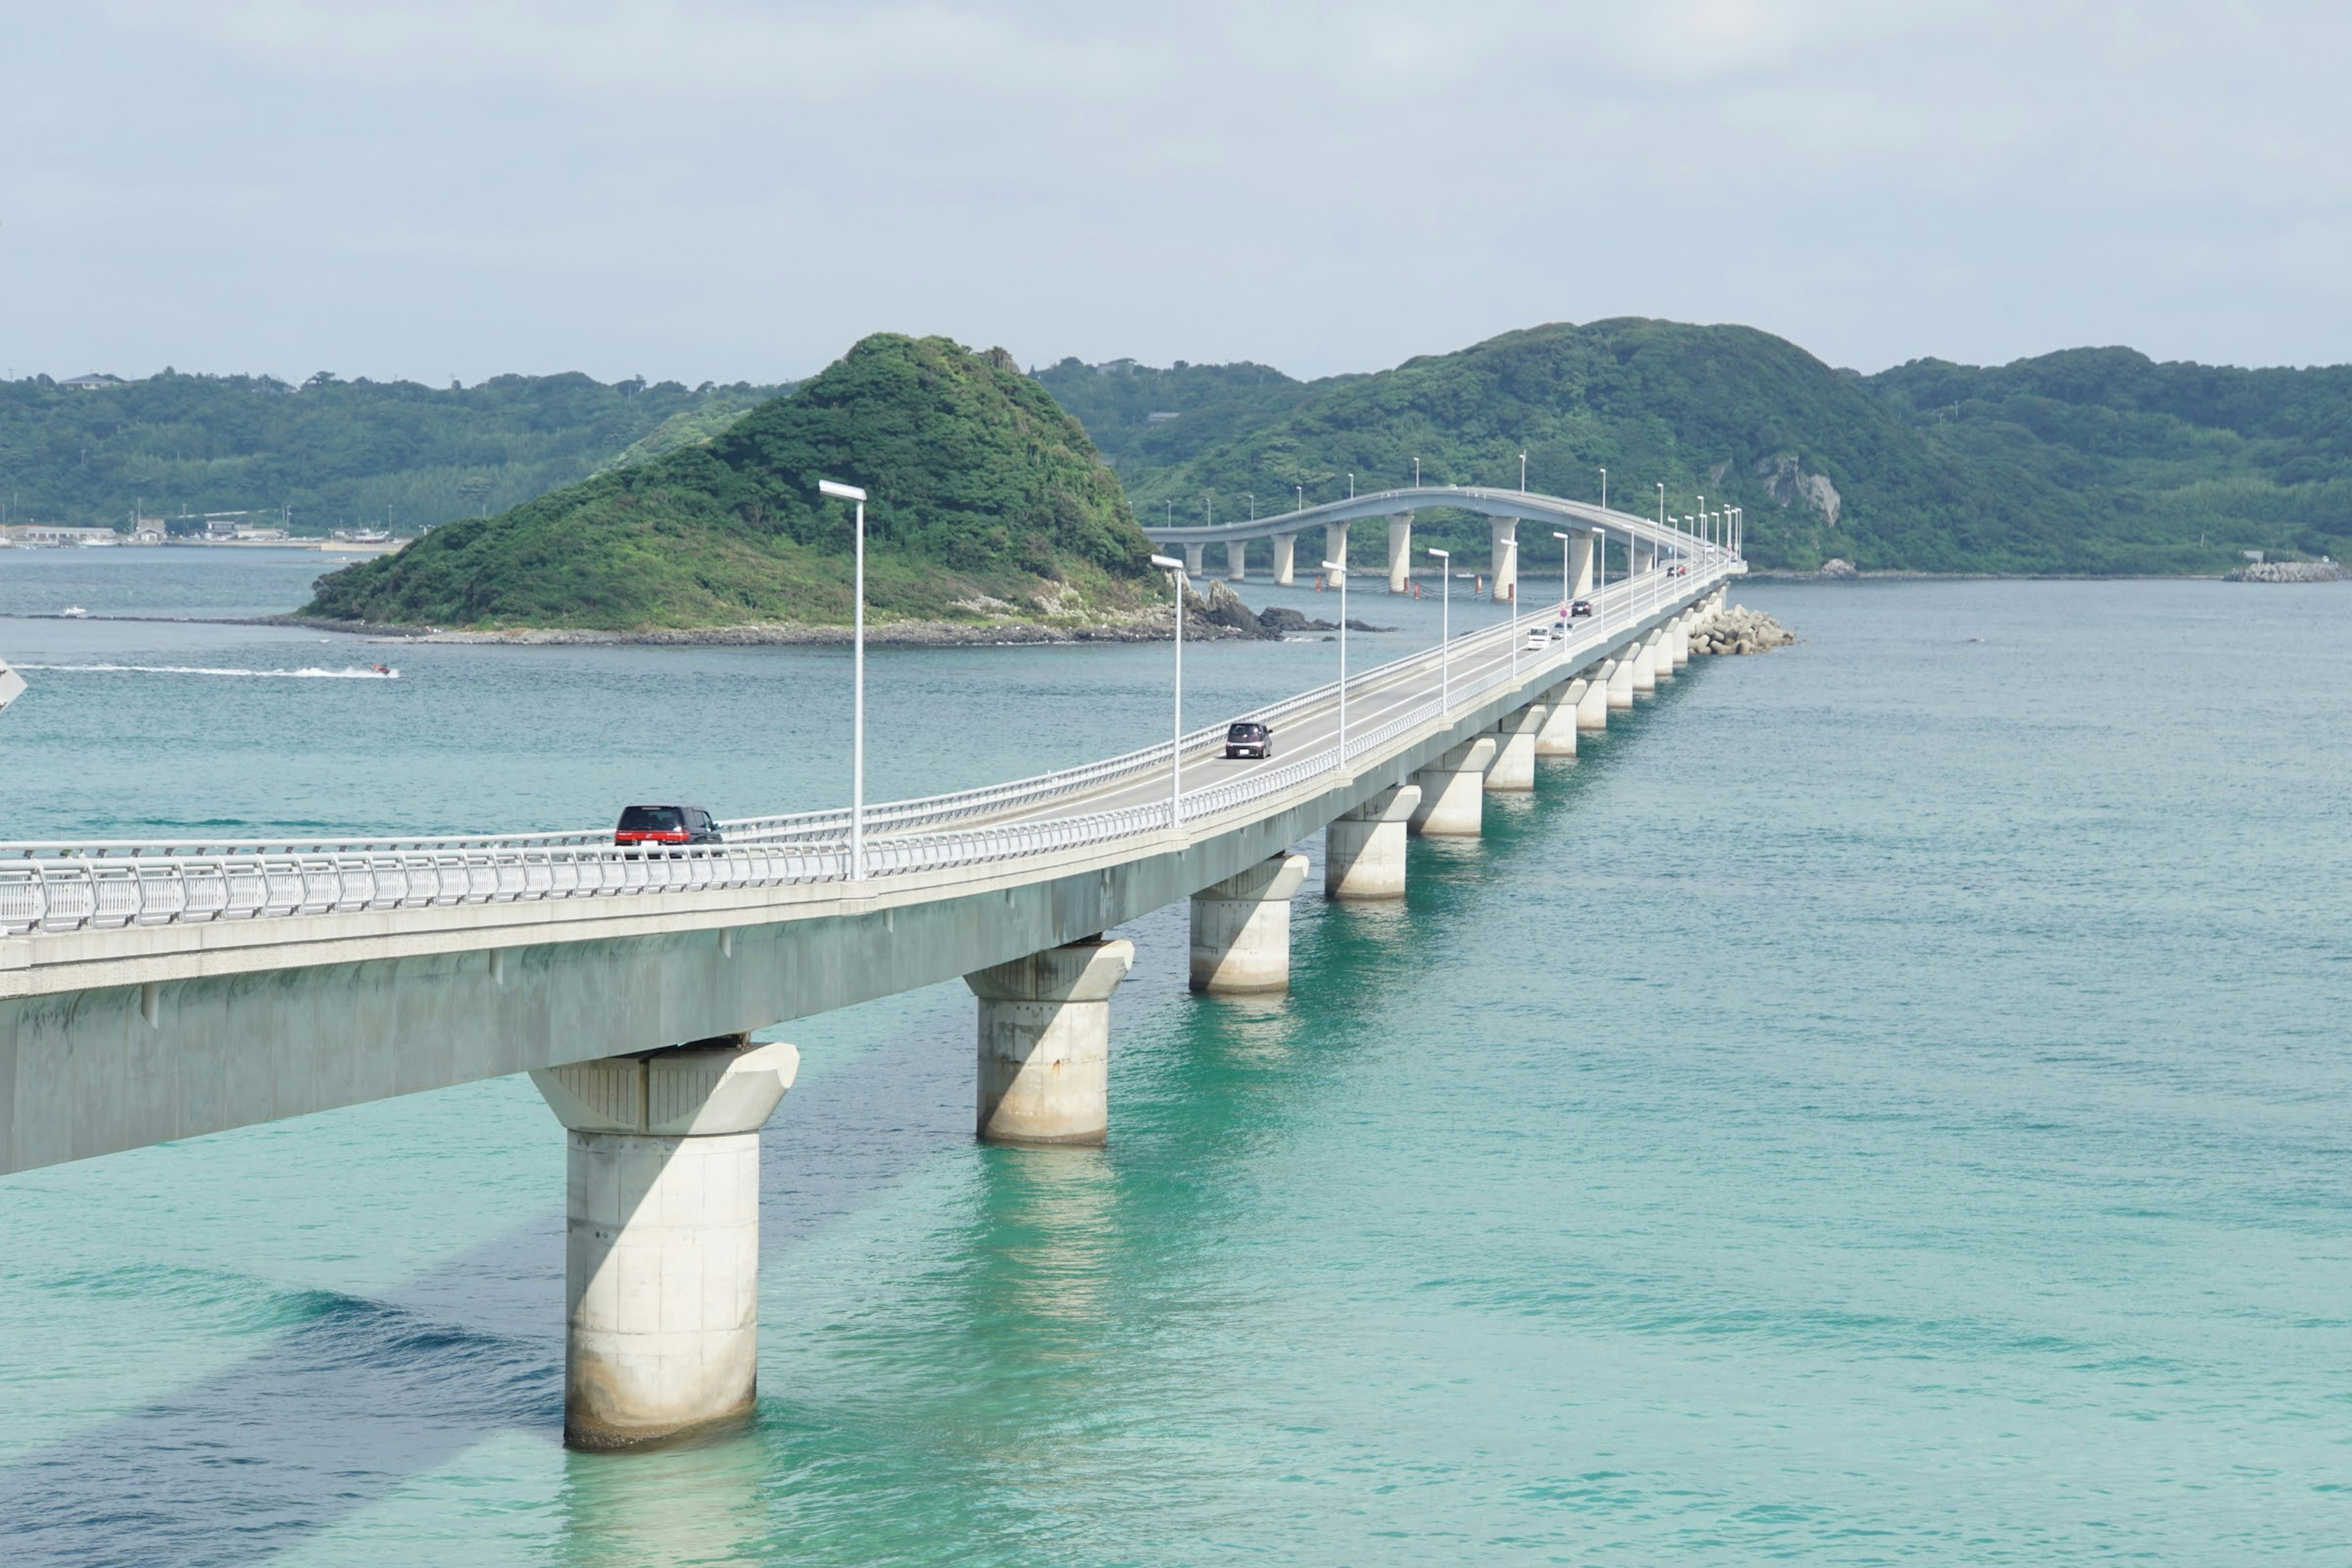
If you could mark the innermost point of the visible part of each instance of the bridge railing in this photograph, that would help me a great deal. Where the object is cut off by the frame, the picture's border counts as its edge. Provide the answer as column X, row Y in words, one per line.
column 74, row 888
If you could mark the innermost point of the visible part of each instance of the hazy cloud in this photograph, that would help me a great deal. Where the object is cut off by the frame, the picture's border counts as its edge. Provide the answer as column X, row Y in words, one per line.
column 701, row 188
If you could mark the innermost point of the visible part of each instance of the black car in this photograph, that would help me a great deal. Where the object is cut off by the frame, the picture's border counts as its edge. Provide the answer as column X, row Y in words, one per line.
column 665, row 825
column 1249, row 738
column 1581, row 607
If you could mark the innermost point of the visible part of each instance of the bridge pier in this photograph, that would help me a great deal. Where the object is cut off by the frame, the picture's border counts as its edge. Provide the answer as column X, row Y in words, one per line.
column 1620, row 677
column 1504, row 556
column 1401, row 553
column 1192, row 553
column 1579, row 564
column 1241, row 927
column 1514, row 767
column 1286, row 560
column 661, row 1262
column 1454, row 791
column 1679, row 632
column 1045, row 1043
column 1237, row 561
column 1363, row 849
column 1660, row 648
column 1335, row 543
column 1562, row 705
column 1592, row 707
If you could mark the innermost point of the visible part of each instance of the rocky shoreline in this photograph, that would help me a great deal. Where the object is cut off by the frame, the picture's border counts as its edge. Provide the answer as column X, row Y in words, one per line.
column 1216, row 615
column 1739, row 630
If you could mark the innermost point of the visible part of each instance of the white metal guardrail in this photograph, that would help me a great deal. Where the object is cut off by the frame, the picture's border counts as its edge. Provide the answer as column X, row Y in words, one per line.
column 60, row 886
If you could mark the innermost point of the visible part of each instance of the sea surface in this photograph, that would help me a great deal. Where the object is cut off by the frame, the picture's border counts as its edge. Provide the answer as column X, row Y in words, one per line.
column 1887, row 1102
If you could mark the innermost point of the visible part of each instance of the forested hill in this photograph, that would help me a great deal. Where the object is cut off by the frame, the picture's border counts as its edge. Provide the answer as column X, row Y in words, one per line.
column 987, row 502
column 2097, row 461
column 337, row 453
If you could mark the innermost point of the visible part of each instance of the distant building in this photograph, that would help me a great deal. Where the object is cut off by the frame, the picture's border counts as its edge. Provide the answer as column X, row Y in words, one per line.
column 1158, row 418
column 93, row 382
column 147, row 531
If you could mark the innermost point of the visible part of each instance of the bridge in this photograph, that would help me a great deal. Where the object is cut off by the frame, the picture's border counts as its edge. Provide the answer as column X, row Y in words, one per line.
column 1586, row 527
column 151, row 991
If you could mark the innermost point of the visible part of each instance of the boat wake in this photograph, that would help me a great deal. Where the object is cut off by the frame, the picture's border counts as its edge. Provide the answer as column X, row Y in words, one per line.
column 359, row 672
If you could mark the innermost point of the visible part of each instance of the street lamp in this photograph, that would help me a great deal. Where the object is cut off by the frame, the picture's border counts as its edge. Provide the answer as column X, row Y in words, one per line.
column 1176, row 743
column 1341, row 571
column 1446, row 633
column 1605, row 489
column 1523, row 473
column 1416, row 473
column 1661, row 503
column 857, row 684
column 1352, row 487
column 1302, row 496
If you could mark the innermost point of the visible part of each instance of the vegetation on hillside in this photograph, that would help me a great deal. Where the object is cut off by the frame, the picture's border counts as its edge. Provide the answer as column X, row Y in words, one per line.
column 987, row 498
column 2055, row 470
column 335, row 454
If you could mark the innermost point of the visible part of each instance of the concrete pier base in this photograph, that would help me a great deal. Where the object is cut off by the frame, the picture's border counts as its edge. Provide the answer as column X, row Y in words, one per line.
column 1503, row 548
column 1334, row 544
column 1454, row 791
column 1514, row 767
column 1593, row 708
column 1237, row 561
column 1193, row 554
column 1045, row 1043
column 662, row 1236
column 1241, row 927
column 1286, row 560
column 1363, row 851
column 1580, row 565
column 1678, row 638
column 1401, row 553
column 1621, row 679
column 1645, row 666
column 1563, row 706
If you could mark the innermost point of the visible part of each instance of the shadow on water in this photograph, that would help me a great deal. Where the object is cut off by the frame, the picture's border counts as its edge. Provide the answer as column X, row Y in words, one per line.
column 359, row 1395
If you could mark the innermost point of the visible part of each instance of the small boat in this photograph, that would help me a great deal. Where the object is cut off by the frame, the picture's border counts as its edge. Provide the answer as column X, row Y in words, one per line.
column 385, row 670
column 74, row 613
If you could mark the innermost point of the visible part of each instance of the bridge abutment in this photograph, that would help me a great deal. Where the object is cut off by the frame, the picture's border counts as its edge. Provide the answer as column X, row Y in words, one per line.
column 1241, row 927
column 1363, row 850
column 1401, row 553
column 1286, row 560
column 1454, row 791
column 1562, row 707
column 662, row 1236
column 1514, row 767
column 1045, row 1043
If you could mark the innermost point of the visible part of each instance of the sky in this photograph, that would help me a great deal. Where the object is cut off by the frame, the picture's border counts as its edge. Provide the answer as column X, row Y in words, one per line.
column 717, row 190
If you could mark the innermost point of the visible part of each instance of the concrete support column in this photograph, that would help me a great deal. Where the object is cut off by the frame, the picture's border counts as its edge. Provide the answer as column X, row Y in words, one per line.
column 1335, row 543
column 1563, row 710
column 1504, row 555
column 1592, row 709
column 1192, row 553
column 1641, row 555
column 1285, row 559
column 1453, row 790
column 1237, row 560
column 1399, row 552
column 661, row 1254
column 1646, row 664
column 1514, row 767
column 1580, row 565
column 1679, row 639
column 1363, row 850
column 1241, row 927
column 1044, row 1042
column 1621, row 679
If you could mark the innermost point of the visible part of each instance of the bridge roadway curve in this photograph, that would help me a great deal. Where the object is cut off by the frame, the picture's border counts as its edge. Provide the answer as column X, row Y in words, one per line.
column 157, row 992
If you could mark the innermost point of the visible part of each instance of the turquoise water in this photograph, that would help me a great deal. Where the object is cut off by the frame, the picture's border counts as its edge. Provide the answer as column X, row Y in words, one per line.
column 1884, row 1103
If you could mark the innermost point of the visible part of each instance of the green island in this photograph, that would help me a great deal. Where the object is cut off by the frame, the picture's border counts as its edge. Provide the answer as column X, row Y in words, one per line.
column 989, row 506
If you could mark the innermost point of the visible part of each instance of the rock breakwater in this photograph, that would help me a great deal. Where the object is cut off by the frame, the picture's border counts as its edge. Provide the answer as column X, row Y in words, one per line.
column 1738, row 629
column 2287, row 572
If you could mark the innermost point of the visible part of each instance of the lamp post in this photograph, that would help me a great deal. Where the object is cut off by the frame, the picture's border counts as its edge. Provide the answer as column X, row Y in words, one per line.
column 1352, row 487
column 1445, row 631
column 857, row 683
column 1302, row 496
column 1416, row 473
column 1176, row 742
column 1523, row 473
column 1605, row 489
column 1341, row 571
